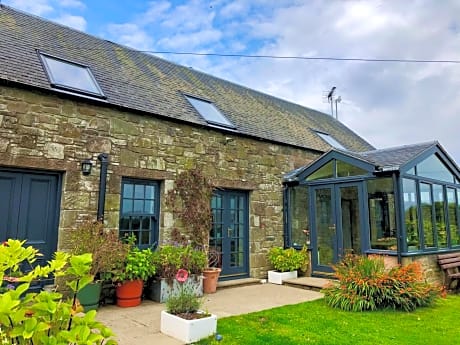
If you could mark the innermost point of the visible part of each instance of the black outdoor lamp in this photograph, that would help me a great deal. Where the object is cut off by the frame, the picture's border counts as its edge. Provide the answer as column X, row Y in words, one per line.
column 86, row 166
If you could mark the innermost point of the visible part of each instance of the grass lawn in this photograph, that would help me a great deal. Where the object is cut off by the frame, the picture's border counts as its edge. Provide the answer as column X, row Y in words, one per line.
column 316, row 323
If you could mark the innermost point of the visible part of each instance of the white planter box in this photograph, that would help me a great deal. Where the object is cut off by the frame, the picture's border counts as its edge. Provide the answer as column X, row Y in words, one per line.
column 188, row 331
column 276, row 277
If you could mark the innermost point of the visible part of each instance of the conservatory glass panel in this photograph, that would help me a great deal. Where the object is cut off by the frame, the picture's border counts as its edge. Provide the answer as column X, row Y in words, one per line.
column 426, row 206
column 453, row 218
column 345, row 169
column 433, row 168
column 382, row 220
column 440, row 214
column 298, row 216
column 410, row 214
column 326, row 171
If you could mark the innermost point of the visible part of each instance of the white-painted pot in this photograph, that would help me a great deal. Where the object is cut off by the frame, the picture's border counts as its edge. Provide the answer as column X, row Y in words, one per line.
column 188, row 331
column 276, row 277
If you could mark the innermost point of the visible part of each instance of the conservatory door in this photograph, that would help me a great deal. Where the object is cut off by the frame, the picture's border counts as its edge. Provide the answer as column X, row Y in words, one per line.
column 336, row 224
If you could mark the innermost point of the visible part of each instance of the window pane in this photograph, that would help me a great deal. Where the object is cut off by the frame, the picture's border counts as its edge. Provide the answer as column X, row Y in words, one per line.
column 345, row 169
column 145, row 237
column 128, row 190
column 326, row 171
column 440, row 215
column 382, row 220
column 135, row 223
column 331, row 140
column 71, row 75
column 433, row 168
column 138, row 206
column 139, row 191
column 453, row 220
column 298, row 216
column 124, row 223
column 427, row 214
column 127, row 206
column 410, row 215
column 145, row 223
column 149, row 192
column 209, row 112
column 149, row 206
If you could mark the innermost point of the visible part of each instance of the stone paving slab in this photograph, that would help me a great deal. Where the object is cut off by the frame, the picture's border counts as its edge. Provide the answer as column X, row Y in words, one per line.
column 141, row 325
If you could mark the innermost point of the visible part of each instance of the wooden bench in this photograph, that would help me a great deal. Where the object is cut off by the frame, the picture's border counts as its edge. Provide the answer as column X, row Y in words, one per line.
column 450, row 264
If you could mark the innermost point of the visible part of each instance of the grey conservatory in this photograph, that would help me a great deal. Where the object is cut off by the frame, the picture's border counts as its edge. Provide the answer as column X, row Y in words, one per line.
column 402, row 202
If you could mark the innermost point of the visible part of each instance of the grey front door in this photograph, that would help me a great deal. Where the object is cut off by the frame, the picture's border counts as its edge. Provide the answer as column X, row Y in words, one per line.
column 337, row 223
column 229, row 234
column 29, row 209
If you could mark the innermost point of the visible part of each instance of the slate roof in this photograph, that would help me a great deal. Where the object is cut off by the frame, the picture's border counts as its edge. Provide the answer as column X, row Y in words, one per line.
column 142, row 82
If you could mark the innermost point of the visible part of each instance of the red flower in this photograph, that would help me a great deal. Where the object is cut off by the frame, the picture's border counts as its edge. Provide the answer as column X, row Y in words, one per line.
column 5, row 243
column 181, row 275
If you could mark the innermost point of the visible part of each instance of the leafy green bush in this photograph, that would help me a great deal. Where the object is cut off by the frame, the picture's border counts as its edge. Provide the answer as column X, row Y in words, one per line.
column 285, row 260
column 364, row 284
column 46, row 317
column 138, row 265
column 168, row 259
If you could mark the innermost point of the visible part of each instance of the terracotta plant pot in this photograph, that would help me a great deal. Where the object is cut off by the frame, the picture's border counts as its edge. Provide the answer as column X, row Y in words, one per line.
column 210, row 275
column 129, row 293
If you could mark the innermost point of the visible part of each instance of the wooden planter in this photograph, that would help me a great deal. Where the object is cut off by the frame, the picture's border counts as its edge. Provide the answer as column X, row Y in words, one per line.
column 276, row 277
column 188, row 331
column 160, row 289
column 129, row 293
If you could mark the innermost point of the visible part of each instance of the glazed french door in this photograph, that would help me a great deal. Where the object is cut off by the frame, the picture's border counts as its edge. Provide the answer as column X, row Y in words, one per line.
column 229, row 240
column 337, row 223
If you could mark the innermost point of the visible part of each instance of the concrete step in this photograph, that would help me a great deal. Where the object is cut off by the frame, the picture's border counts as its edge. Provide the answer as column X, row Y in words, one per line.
column 309, row 283
column 237, row 283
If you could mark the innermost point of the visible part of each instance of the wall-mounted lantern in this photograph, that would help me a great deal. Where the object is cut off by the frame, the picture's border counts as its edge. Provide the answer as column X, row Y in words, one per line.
column 86, row 167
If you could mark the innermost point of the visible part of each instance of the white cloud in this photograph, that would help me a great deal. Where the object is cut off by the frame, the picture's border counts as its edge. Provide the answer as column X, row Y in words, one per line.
column 37, row 7
column 131, row 35
column 72, row 4
column 76, row 22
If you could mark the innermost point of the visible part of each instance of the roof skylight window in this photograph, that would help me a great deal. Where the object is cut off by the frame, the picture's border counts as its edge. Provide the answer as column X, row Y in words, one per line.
column 331, row 141
column 210, row 113
column 71, row 76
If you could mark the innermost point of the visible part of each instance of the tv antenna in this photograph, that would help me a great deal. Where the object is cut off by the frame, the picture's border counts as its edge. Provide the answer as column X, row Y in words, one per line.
column 332, row 99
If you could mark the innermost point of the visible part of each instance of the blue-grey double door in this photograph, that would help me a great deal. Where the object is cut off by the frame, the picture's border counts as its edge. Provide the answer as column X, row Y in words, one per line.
column 337, row 222
column 29, row 205
column 229, row 240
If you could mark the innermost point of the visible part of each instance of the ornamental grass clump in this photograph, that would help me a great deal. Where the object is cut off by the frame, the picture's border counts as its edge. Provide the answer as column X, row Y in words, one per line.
column 364, row 284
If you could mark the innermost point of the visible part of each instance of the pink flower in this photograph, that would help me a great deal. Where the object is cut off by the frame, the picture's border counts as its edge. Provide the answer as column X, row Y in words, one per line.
column 181, row 275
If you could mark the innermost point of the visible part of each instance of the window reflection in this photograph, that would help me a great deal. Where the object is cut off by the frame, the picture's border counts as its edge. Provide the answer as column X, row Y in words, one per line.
column 298, row 216
column 410, row 214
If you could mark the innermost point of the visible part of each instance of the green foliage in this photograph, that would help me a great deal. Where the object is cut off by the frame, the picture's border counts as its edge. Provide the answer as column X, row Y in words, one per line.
column 316, row 323
column 290, row 259
column 190, row 201
column 46, row 317
column 185, row 301
column 364, row 284
column 106, row 248
column 138, row 265
column 168, row 259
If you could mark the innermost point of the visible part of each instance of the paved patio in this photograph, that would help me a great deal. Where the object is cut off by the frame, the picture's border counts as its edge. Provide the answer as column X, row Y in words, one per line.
column 141, row 325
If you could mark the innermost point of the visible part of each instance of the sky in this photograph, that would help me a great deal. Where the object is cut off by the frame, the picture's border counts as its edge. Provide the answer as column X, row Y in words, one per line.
column 387, row 103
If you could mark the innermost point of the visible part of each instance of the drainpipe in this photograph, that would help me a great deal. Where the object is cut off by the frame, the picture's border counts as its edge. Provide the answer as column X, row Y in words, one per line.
column 104, row 159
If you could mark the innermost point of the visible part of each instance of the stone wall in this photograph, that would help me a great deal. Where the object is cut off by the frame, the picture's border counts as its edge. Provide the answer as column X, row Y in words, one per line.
column 53, row 133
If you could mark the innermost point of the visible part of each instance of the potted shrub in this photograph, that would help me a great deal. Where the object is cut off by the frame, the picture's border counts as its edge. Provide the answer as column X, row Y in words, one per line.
column 132, row 273
column 183, row 318
column 168, row 259
column 286, row 263
column 190, row 201
column 106, row 251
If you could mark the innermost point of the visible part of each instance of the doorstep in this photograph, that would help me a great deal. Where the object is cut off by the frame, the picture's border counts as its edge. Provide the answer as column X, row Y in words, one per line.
column 237, row 283
column 310, row 283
